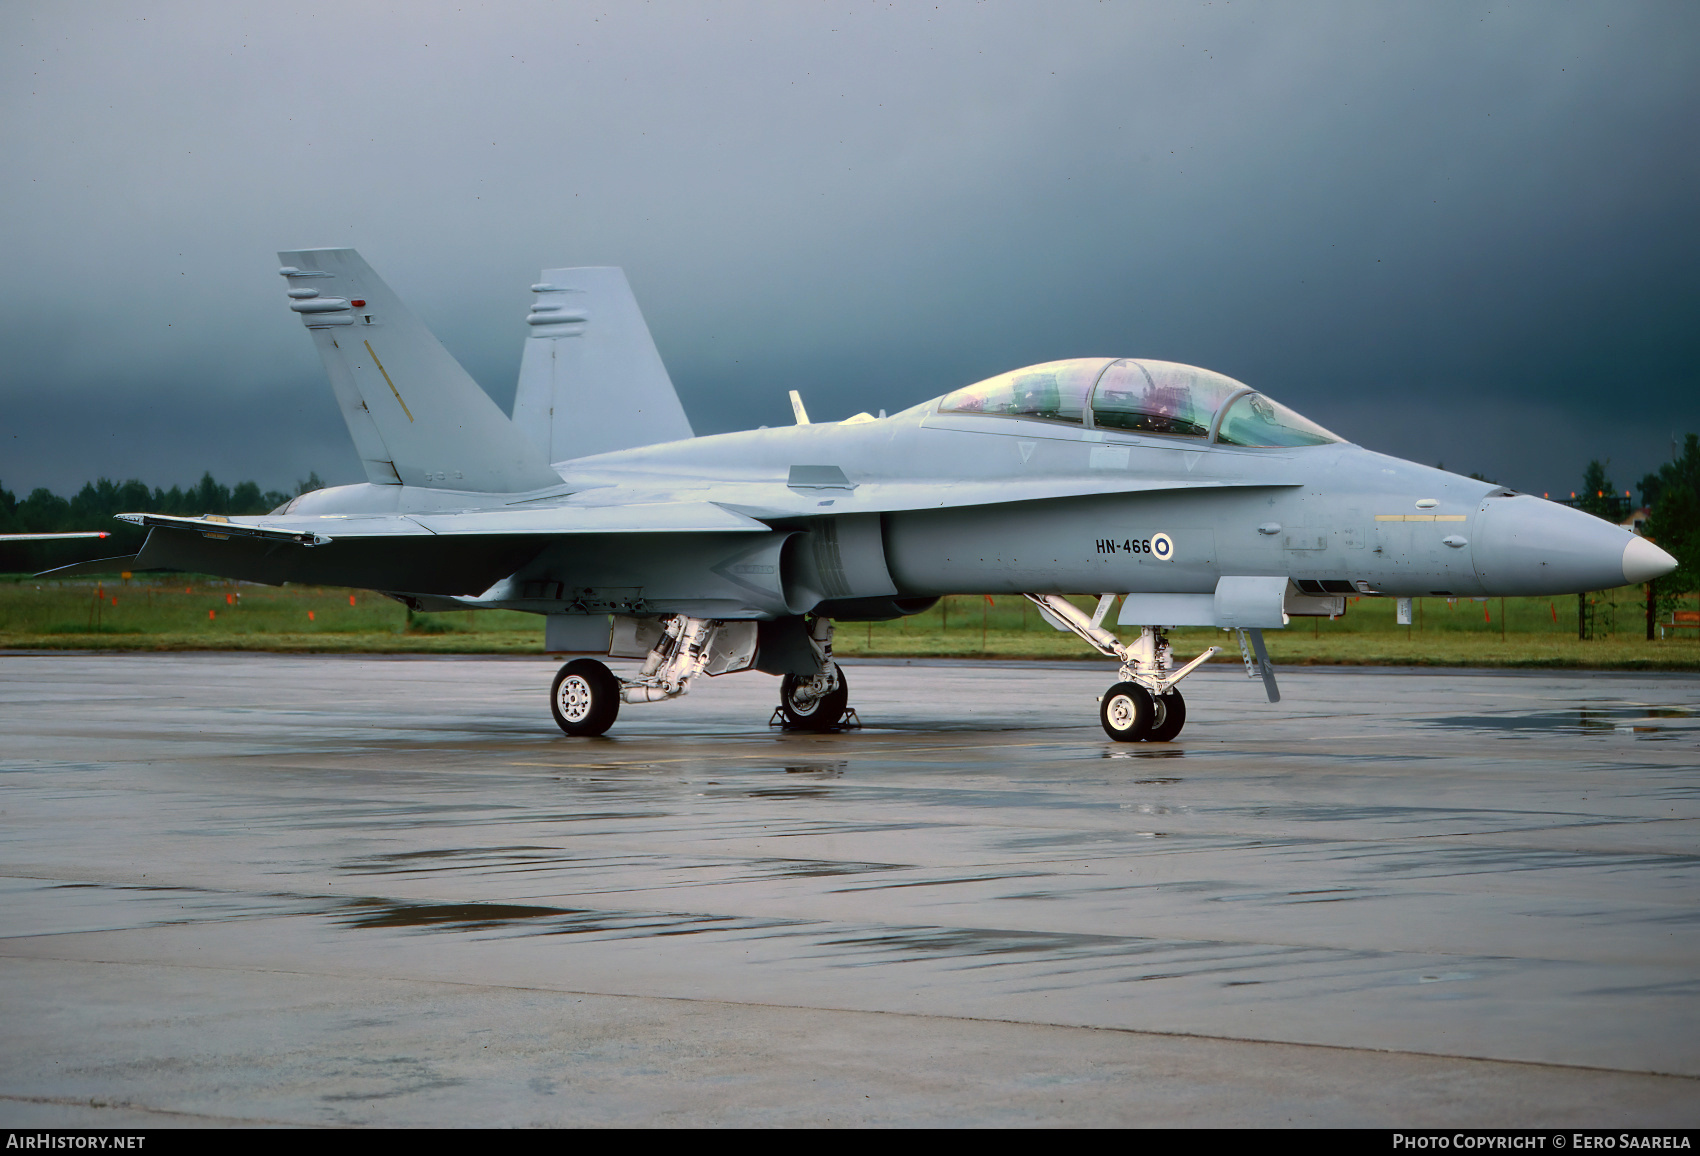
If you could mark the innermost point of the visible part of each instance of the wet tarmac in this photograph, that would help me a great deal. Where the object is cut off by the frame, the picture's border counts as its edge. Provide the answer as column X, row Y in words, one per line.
column 338, row 890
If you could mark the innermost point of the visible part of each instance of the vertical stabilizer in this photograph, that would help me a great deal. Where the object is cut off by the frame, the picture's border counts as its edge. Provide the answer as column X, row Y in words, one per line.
column 591, row 379
column 417, row 418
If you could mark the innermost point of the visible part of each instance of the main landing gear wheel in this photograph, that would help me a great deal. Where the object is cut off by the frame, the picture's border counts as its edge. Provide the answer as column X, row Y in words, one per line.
column 806, row 706
column 585, row 698
column 1169, row 719
column 1127, row 712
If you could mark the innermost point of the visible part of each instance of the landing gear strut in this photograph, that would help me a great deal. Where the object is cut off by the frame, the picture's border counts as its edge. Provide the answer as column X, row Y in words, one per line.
column 1145, row 705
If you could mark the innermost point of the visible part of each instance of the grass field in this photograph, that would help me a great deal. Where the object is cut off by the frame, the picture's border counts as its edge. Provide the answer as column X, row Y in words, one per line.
column 216, row 614
column 194, row 613
column 211, row 614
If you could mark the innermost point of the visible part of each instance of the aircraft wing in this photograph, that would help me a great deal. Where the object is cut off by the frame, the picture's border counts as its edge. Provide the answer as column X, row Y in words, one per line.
column 821, row 493
column 420, row 553
column 884, row 497
column 322, row 529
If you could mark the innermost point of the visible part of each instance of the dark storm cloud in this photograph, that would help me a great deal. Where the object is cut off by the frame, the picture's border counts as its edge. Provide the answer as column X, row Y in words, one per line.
column 1451, row 232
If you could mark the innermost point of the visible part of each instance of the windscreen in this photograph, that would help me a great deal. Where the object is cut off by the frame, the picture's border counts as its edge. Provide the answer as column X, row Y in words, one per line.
column 1255, row 420
column 1160, row 397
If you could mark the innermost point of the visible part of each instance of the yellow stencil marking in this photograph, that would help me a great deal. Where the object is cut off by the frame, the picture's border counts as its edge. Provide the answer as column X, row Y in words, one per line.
column 387, row 381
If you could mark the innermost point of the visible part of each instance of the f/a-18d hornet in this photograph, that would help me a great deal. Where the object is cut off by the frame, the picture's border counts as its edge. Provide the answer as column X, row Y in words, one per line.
column 1196, row 500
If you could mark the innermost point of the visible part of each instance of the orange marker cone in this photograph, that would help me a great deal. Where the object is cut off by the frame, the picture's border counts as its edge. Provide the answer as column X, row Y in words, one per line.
column 1485, row 617
column 211, row 614
column 309, row 616
column 351, row 600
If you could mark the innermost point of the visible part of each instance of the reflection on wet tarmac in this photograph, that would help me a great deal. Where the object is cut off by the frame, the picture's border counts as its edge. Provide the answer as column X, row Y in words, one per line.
column 369, row 913
column 1641, row 721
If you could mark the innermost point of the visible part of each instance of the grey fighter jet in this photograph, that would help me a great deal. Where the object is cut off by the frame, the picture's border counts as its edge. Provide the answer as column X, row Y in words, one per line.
column 1196, row 500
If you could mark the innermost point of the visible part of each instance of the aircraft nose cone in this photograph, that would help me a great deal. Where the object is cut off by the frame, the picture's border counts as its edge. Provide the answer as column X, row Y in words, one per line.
column 1525, row 545
column 1643, row 562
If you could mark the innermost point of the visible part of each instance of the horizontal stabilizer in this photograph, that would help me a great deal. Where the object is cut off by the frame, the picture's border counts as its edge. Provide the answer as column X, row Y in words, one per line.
column 416, row 417
column 590, row 378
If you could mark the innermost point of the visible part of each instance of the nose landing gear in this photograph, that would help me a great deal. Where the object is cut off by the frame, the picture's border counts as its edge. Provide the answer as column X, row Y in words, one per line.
column 1145, row 705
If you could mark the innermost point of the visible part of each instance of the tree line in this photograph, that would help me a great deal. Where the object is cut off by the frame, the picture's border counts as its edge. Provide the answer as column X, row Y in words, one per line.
column 1672, row 495
column 92, row 508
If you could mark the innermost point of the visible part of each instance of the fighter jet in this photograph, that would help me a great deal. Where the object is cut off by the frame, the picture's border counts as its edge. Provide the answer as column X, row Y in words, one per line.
column 1194, row 499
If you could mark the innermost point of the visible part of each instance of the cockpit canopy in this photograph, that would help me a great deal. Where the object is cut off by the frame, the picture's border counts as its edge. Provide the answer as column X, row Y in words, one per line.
column 1142, row 397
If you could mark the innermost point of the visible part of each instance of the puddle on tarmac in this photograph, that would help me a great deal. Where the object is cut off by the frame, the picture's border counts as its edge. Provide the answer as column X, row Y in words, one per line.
column 459, row 916
column 1654, row 723
column 380, row 914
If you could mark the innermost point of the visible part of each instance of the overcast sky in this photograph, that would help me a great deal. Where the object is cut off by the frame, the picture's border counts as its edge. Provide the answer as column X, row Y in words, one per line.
column 1459, row 233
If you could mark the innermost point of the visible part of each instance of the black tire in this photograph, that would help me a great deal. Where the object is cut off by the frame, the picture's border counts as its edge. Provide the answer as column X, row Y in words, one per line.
column 1126, row 712
column 1169, row 719
column 585, row 697
column 813, row 714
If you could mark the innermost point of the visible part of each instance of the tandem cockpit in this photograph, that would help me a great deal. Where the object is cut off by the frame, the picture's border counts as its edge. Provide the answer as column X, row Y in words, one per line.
column 1139, row 398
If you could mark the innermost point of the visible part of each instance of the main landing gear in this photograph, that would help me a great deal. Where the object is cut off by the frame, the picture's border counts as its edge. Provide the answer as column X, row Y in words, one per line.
column 819, row 701
column 586, row 696
column 1146, row 705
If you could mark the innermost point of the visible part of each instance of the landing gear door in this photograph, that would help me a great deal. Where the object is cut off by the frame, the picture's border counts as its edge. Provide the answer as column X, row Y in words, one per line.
column 734, row 648
column 634, row 637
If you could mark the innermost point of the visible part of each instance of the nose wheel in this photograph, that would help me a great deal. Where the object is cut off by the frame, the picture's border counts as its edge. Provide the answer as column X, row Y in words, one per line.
column 1126, row 711
column 1170, row 717
column 1132, row 714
